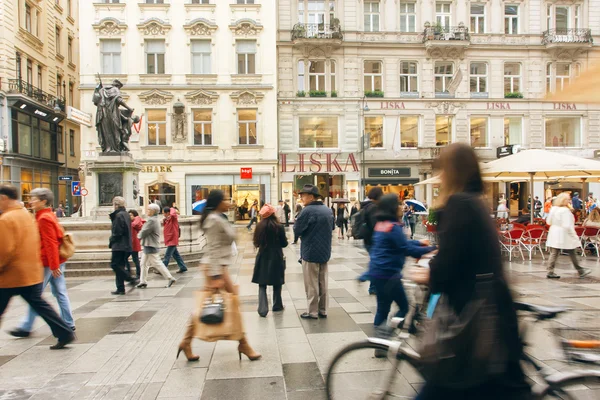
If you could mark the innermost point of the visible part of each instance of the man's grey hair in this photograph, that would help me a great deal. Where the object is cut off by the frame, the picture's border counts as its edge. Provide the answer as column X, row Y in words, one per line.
column 154, row 207
column 118, row 201
column 43, row 194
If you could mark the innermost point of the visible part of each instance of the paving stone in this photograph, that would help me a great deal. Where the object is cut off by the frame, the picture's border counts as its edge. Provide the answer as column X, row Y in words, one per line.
column 184, row 383
column 269, row 388
column 302, row 376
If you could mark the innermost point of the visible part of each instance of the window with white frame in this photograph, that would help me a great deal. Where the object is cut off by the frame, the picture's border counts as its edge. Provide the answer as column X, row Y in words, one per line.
column 563, row 75
column 409, row 77
column 478, row 18
column 371, row 14
column 245, row 1
column 318, row 132
column 247, row 122
column 28, row 19
column 374, row 130
column 316, row 12
column 409, row 132
column 301, row 75
column 511, row 19
column 157, row 127
column 246, row 56
column 443, row 15
column 562, row 17
column 200, row 1
column 373, row 76
column 443, row 130
column 332, row 75
column 316, row 75
column 408, row 17
column 513, row 130
column 155, row 1
column 512, row 78
column 478, row 77
column 559, row 75
column 443, row 72
column 201, row 50
column 202, row 127
column 110, row 53
column 155, row 56
column 478, row 127
column 563, row 131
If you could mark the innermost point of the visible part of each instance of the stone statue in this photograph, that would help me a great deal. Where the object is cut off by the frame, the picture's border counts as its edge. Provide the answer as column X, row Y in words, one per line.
column 113, row 123
column 179, row 125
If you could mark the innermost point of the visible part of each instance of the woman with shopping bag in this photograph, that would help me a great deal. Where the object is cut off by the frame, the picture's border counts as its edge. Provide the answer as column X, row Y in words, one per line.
column 219, row 287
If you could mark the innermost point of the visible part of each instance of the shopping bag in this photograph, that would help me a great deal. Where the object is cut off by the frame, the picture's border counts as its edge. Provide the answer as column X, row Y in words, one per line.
column 231, row 327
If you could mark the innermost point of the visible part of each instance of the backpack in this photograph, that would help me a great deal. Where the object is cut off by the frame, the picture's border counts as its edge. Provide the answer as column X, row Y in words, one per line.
column 358, row 222
column 67, row 246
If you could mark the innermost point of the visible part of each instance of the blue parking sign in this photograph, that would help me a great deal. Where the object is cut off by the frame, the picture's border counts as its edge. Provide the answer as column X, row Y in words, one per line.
column 76, row 188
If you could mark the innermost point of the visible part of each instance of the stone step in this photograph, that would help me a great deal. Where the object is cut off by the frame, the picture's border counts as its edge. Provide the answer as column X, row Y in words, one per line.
column 103, row 268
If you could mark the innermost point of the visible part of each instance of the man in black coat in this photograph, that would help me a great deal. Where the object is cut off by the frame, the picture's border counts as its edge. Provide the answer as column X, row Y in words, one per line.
column 287, row 210
column 120, row 245
column 369, row 207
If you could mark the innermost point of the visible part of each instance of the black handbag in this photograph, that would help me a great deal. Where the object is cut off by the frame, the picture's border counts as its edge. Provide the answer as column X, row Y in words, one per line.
column 213, row 310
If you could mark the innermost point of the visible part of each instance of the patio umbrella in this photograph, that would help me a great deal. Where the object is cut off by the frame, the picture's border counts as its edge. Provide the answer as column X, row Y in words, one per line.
column 199, row 205
column 583, row 90
column 417, row 205
column 345, row 201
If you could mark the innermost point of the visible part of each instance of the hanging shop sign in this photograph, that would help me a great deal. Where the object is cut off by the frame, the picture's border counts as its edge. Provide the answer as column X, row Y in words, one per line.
column 318, row 162
column 157, row 168
column 389, row 172
column 79, row 116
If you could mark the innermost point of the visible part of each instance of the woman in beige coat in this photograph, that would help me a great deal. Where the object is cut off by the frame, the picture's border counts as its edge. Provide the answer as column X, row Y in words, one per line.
column 218, row 256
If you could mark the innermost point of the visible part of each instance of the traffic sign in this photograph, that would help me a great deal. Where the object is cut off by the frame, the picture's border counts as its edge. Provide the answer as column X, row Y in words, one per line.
column 76, row 188
column 65, row 178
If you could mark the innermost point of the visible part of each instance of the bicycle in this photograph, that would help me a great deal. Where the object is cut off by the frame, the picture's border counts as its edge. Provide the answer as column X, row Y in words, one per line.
column 352, row 374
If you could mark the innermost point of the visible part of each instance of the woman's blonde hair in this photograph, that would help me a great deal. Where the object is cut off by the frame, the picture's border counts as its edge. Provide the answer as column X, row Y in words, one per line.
column 460, row 171
column 594, row 215
column 562, row 200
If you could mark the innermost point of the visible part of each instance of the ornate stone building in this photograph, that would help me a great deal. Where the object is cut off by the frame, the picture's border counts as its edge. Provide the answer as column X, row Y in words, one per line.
column 411, row 76
column 202, row 75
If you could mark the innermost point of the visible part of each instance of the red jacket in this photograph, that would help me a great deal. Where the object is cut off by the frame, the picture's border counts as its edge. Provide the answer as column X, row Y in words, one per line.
column 136, row 227
column 171, row 229
column 51, row 235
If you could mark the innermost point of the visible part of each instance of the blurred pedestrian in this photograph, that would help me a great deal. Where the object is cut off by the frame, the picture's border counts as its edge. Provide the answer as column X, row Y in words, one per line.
column 296, row 215
column 279, row 212
column 502, row 212
column 150, row 240
column 562, row 236
column 120, row 245
column 468, row 251
column 171, row 234
column 593, row 220
column 60, row 211
column 217, row 258
column 136, row 226
column 342, row 219
column 547, row 207
column 253, row 215
column 269, row 267
column 287, row 210
column 21, row 269
column 576, row 202
column 314, row 226
column 51, row 234
column 537, row 207
column 368, row 209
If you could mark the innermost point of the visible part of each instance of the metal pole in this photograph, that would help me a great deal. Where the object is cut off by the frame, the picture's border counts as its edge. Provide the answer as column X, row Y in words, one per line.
column 532, row 210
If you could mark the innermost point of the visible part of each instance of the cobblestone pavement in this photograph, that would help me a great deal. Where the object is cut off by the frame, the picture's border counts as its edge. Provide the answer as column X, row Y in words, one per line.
column 126, row 345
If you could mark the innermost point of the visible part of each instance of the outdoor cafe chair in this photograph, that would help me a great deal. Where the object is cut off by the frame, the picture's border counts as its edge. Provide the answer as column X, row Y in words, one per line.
column 580, row 231
column 532, row 240
column 511, row 241
column 591, row 236
column 517, row 225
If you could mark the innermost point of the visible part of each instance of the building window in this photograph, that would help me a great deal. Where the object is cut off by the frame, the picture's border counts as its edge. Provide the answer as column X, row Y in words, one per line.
column 57, row 39
column 511, row 19
column 513, row 130
column 563, row 132
column 203, row 127
column 478, row 18
column 72, row 142
column 443, row 72
column 409, row 132
column 71, row 94
column 200, row 1
column 201, row 56
column 316, row 75
column 443, row 14
column 478, row 78
column 563, row 75
column 155, row 1
column 479, row 131
column 69, row 8
column 301, row 86
column 28, row 21
column 38, row 23
column 155, row 56
column 34, row 137
column 246, row 56
column 512, row 78
column 373, row 75
column 29, row 72
column 374, row 129
column 110, row 53
column 318, row 132
column 371, row 16
column 59, row 80
column 332, row 75
column 60, row 140
column 408, row 17
column 157, row 127
column 245, row 1
column 443, row 130
column 247, row 126
column 39, row 77
column 70, row 49
column 409, row 77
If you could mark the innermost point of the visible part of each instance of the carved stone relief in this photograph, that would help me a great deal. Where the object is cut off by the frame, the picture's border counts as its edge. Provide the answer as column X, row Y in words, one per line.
column 153, row 27
column 246, row 27
column 155, row 97
column 247, row 98
column 110, row 27
column 445, row 107
column 110, row 185
column 202, row 97
column 200, row 27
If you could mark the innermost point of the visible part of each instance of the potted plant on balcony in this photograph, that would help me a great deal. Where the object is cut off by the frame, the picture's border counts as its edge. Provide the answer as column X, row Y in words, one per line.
column 336, row 32
column 373, row 93
column 438, row 30
column 300, row 93
column 299, row 31
column 317, row 93
column 513, row 95
column 334, row 93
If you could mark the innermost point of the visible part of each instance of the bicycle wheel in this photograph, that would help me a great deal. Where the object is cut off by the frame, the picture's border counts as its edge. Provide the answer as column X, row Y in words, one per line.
column 582, row 386
column 356, row 374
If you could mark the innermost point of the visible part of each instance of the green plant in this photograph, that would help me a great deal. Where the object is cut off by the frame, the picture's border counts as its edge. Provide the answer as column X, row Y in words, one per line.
column 513, row 95
column 438, row 28
column 432, row 217
column 373, row 93
column 300, row 93
column 317, row 93
column 333, row 93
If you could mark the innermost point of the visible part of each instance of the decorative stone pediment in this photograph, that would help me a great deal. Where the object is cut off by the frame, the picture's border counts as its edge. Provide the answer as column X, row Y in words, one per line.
column 246, row 97
column 570, row 55
column 246, row 27
column 155, row 97
column 154, row 27
column 110, row 27
column 202, row 97
column 448, row 53
column 445, row 107
column 200, row 27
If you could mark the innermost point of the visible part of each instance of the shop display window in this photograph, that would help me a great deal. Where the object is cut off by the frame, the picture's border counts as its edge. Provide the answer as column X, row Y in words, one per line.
column 374, row 128
column 513, row 130
column 563, row 132
column 409, row 132
column 443, row 130
column 479, row 131
column 318, row 132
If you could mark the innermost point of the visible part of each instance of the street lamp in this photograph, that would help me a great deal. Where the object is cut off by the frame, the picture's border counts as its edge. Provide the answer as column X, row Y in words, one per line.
column 364, row 109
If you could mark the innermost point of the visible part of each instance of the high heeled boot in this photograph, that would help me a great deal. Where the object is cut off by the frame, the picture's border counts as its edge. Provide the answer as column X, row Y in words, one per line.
column 186, row 344
column 245, row 349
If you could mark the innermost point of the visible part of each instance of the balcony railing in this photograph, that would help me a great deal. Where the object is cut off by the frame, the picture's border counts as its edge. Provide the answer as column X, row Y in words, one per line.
column 553, row 36
column 37, row 94
column 446, row 33
column 317, row 31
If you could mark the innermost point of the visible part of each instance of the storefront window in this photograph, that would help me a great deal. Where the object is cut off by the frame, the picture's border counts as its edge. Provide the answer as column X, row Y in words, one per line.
column 409, row 131
column 163, row 192
column 563, row 132
column 513, row 130
column 34, row 137
column 26, row 184
column 479, row 131
column 24, row 134
column 374, row 128
column 403, row 191
column 443, row 130
column 318, row 132
column 6, row 174
column 35, row 142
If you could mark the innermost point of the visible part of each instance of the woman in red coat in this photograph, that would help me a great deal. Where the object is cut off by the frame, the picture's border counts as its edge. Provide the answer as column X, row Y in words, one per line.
column 136, row 226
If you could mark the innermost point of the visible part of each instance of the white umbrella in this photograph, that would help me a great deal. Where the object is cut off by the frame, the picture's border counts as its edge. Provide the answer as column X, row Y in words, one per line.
column 436, row 180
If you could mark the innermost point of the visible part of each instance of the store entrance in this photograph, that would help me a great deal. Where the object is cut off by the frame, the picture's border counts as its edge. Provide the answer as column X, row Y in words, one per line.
column 330, row 186
column 403, row 191
column 242, row 197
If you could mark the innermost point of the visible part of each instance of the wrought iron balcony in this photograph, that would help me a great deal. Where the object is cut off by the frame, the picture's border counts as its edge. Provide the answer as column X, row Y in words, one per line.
column 567, row 37
column 35, row 93
column 317, row 32
column 448, row 33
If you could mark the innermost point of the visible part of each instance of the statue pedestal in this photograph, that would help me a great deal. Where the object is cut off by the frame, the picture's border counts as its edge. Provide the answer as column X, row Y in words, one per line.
column 113, row 174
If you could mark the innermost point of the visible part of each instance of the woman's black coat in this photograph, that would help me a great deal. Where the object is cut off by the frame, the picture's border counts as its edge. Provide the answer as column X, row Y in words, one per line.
column 269, row 267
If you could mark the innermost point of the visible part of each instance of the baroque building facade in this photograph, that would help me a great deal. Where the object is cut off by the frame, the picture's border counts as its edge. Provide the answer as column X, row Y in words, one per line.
column 202, row 76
